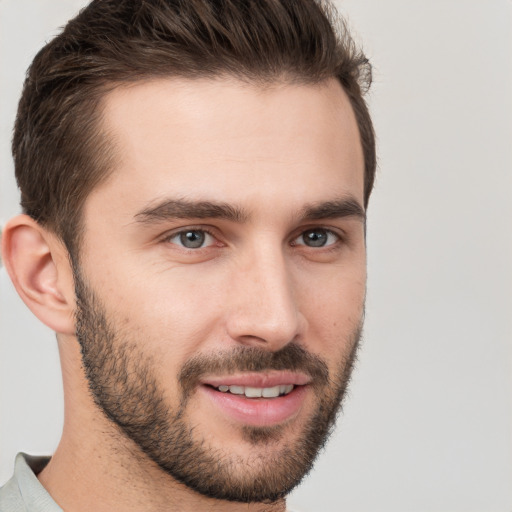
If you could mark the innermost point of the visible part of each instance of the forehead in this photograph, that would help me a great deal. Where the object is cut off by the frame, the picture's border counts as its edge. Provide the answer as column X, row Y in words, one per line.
column 233, row 140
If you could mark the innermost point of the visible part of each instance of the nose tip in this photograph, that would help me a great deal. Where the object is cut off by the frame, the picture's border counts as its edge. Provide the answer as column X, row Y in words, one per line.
column 264, row 311
column 260, row 331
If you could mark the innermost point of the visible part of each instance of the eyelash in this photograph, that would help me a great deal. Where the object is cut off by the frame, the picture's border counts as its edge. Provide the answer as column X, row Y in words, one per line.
column 326, row 231
column 201, row 229
column 329, row 232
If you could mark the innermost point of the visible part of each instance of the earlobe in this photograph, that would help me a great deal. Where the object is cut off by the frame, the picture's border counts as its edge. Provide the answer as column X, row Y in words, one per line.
column 37, row 263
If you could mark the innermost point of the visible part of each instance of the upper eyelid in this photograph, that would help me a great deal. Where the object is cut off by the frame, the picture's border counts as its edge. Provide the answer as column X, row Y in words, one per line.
column 322, row 224
column 183, row 229
column 340, row 233
column 215, row 232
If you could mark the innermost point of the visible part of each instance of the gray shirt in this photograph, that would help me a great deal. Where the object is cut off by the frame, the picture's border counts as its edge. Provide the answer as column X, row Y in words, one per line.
column 23, row 492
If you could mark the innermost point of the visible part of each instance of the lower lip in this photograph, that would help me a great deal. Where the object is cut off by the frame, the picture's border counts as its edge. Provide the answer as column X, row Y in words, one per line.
column 260, row 412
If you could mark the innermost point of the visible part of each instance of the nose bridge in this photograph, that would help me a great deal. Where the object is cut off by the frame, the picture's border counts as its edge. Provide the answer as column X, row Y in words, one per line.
column 264, row 309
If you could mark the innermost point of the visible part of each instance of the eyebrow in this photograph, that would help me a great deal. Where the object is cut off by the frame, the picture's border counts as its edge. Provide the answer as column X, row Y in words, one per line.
column 335, row 209
column 169, row 209
column 186, row 209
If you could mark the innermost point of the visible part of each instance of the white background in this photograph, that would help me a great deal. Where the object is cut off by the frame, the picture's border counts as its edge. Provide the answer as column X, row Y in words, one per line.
column 428, row 423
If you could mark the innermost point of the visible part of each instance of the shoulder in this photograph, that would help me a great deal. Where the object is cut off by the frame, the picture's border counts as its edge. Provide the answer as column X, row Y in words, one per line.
column 23, row 492
column 10, row 497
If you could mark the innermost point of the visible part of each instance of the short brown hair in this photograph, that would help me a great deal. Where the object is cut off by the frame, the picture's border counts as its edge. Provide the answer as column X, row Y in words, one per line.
column 58, row 146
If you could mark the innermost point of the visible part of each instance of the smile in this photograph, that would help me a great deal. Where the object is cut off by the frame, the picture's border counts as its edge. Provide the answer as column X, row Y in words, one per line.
column 257, row 399
column 252, row 392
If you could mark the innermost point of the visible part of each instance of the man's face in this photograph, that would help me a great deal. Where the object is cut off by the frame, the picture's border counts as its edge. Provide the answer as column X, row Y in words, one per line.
column 222, row 278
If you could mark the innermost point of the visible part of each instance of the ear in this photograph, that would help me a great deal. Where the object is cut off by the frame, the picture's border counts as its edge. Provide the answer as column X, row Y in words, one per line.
column 38, row 264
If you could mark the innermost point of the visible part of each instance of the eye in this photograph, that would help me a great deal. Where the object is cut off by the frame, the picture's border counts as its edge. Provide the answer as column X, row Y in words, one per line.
column 317, row 237
column 192, row 239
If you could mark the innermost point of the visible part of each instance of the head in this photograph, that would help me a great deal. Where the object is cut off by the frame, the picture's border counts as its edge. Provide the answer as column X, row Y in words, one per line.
column 62, row 150
column 207, row 167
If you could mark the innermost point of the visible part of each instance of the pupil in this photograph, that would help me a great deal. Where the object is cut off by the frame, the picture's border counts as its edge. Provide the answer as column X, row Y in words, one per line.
column 192, row 239
column 315, row 238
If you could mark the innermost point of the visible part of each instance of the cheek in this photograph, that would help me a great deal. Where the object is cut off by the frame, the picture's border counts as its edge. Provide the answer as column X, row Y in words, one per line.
column 173, row 312
column 334, row 308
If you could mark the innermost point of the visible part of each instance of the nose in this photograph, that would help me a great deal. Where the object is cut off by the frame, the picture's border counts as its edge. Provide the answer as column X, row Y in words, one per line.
column 263, row 308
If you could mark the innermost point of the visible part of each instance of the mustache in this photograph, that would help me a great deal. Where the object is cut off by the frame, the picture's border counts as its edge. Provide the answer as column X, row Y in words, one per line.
column 292, row 357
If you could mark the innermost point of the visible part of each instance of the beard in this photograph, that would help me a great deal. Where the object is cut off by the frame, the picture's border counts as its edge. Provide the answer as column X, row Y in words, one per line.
column 123, row 383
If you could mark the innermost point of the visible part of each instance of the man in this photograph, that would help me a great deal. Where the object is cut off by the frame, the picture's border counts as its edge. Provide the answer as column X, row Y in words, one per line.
column 194, row 179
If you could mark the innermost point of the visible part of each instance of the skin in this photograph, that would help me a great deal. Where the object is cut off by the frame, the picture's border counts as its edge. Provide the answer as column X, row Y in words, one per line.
column 268, row 152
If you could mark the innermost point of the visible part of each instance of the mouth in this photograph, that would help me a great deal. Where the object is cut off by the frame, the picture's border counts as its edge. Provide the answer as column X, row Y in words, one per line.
column 257, row 399
column 253, row 392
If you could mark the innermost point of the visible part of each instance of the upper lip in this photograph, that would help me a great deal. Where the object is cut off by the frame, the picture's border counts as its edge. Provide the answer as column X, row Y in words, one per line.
column 259, row 379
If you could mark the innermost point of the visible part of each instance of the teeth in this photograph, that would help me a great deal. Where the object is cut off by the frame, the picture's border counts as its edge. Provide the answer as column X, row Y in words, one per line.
column 251, row 392
column 271, row 392
column 287, row 389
